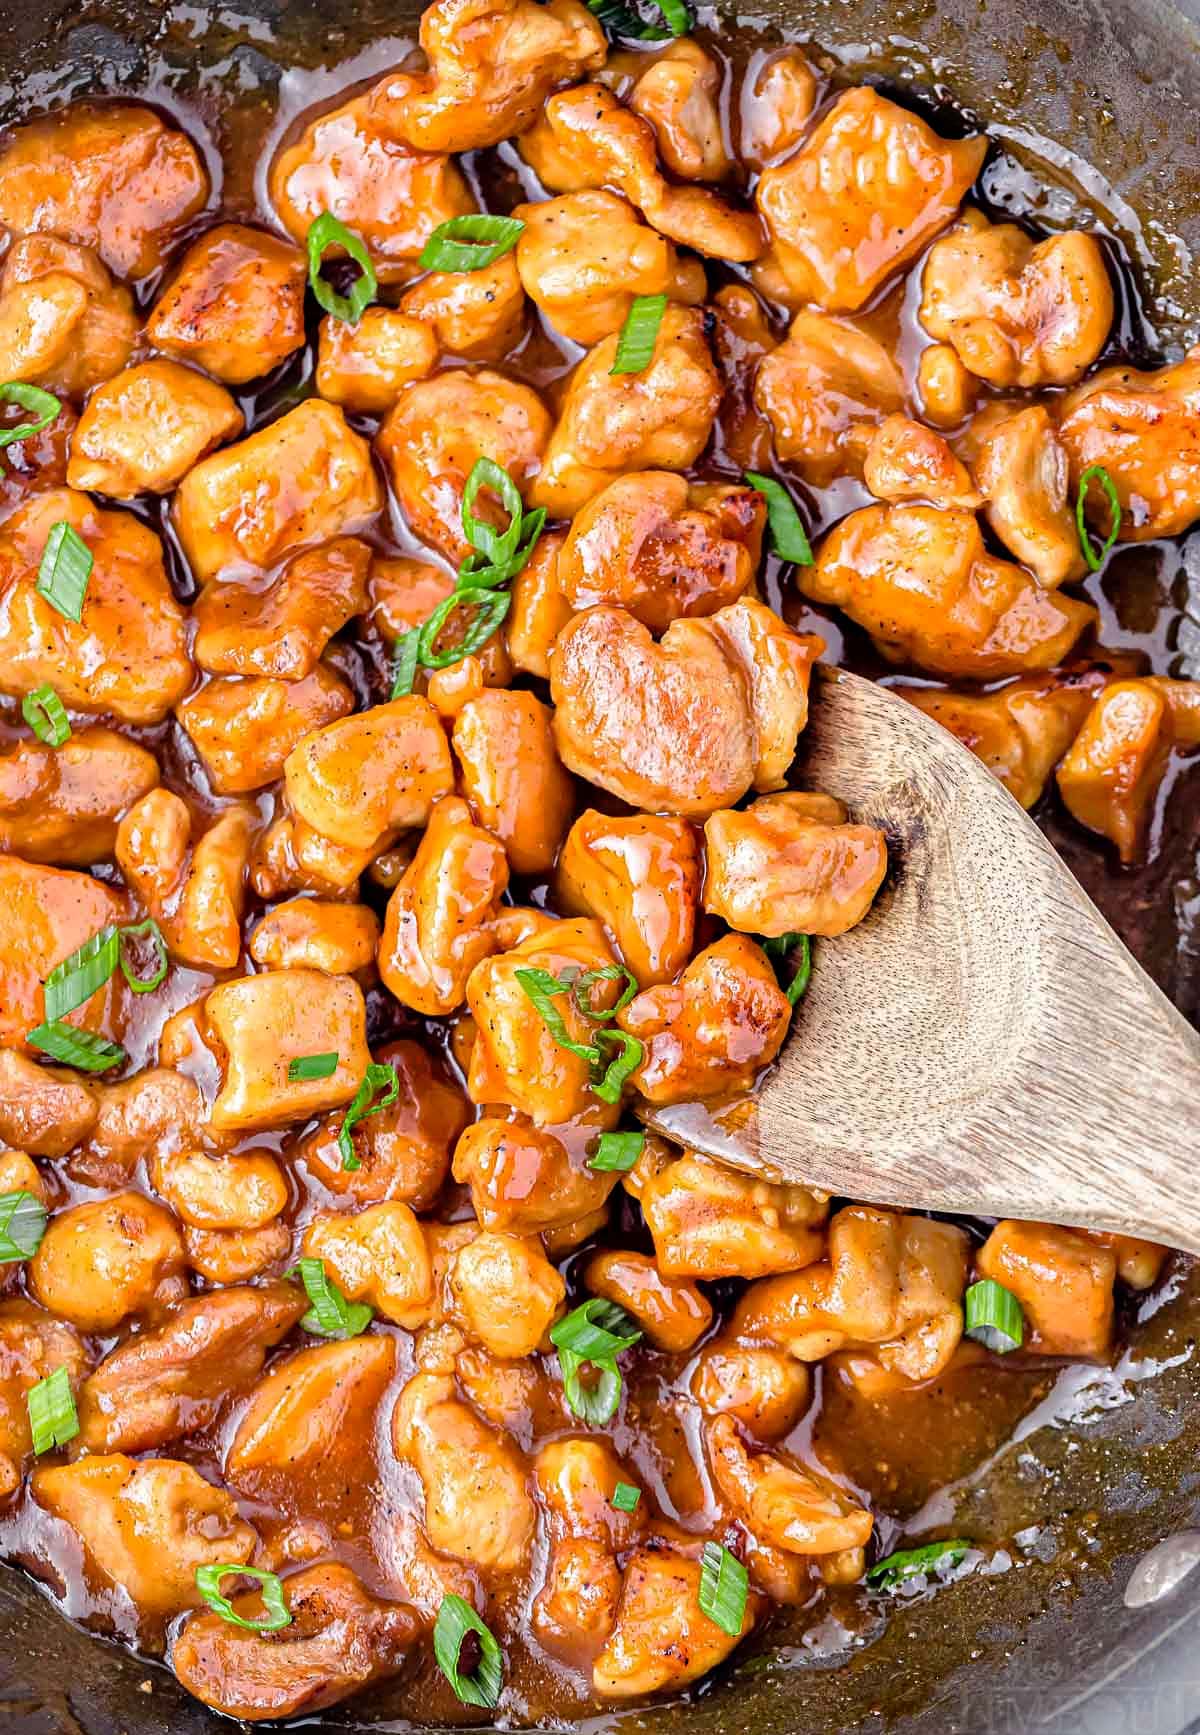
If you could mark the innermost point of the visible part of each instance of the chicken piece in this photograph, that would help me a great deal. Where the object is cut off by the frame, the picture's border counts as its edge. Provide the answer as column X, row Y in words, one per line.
column 889, row 1281
column 1018, row 313
column 1022, row 470
column 575, row 1611
column 235, row 306
column 923, row 585
column 128, row 654
column 773, row 868
column 32, row 1345
column 945, row 387
column 438, row 924
column 45, row 915
column 539, row 609
column 292, row 857
column 786, row 1505
column 673, row 1313
column 259, row 1024
column 513, row 1395
column 765, row 1390
column 359, row 780
column 365, row 367
column 64, row 324
column 436, row 431
column 777, row 103
column 687, row 725
column 516, row 1059
column 1110, row 777
column 245, row 729
column 111, row 176
column 1144, row 429
column 378, row 1256
column 42, row 1111
column 582, row 259
column 62, row 804
column 505, row 1293
column 145, row 428
column 524, row 1179
column 478, row 1504
column 657, row 419
column 1021, row 731
column 194, row 889
column 155, row 1115
column 350, row 162
column 662, row 1638
column 679, row 94
column 1139, row 1263
column 403, row 1151
column 823, row 390
column 236, row 1255
column 240, row 1190
column 303, row 478
column 306, row 934
column 476, row 314
column 860, row 199
column 103, row 1261
column 314, row 1412
column 584, row 138
column 662, row 549
column 340, row 1640
column 174, row 1379
column 144, row 1527
column 281, row 630
column 906, row 461
column 639, row 877
column 710, row 1221
column 403, row 593
column 1064, row 1282
column 512, row 776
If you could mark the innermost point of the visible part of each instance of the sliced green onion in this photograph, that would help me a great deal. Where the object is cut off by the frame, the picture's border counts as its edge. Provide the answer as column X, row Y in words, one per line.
column 606, row 973
column 495, row 545
column 635, row 345
column 376, row 1078
column 147, row 930
column 331, row 1314
column 455, row 1619
column 208, row 1583
column 912, row 1562
column 1100, row 474
column 625, row 1497
column 593, row 1400
column 469, row 243
column 52, row 1418
column 77, row 978
column 22, row 1225
column 723, row 1582
column 82, row 1049
column 44, row 405
column 325, row 232
column 609, row 1087
column 779, row 948
column 593, row 1335
column 994, row 1317
column 64, row 570
column 616, row 1153
column 789, row 539
column 46, row 715
column 620, row 20
column 310, row 1066
column 479, row 573
column 541, row 987
column 405, row 671
column 491, row 605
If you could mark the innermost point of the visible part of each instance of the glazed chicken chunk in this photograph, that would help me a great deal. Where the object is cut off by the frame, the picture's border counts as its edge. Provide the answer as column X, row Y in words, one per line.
column 1144, row 429
column 235, row 307
column 64, row 324
column 791, row 863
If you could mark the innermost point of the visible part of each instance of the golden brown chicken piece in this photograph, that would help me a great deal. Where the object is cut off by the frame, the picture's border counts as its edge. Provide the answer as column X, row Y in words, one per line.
column 309, row 935
column 777, row 104
column 103, row 1261
column 64, row 324
column 1110, row 777
column 476, row 314
column 155, row 1113
column 436, row 431
column 946, row 389
column 361, row 779
column 505, row 1293
column 32, row 1344
column 128, row 654
column 525, row 1179
column 660, row 548
column 576, row 1481
column 1144, row 428
column 223, row 1256
column 922, row 584
column 243, row 1190
column 257, row 1025
column 145, row 428
column 378, row 1256
column 791, row 863
column 365, row 367
column 766, row 1390
column 786, row 1505
column 861, row 198
column 292, row 857
column 583, row 258
column 673, row 1313
column 244, row 729
column 539, row 609
column 640, row 877
column 512, row 776
column 1022, row 469
column 584, row 138
column 1063, row 1280
column 235, row 306
column 193, row 886
column 281, row 630
column 45, row 915
column 662, row 1638
column 301, row 479
column 111, row 176
column 709, row 1221
column 314, row 1408
column 1018, row 313
column 62, row 804
column 679, row 94
column 42, row 1110
column 906, row 461
column 823, row 390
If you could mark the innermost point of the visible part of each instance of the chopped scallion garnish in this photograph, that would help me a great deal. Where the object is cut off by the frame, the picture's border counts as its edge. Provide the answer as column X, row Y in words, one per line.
column 82, row 1049
column 330, row 1315
column 46, row 715
column 993, row 1316
column 490, row 606
column 310, row 1066
column 1098, row 473
column 625, row 1497
column 147, row 930
column 22, row 1225
column 788, row 537
column 64, row 570
column 324, row 232
column 723, row 1583
column 582, row 985
column 639, row 334
column 611, row 1083
column 541, row 987
column 208, row 1583
column 495, row 545
column 455, row 1619
column 52, row 1418
column 616, row 1153
column 593, row 1335
column 43, row 405
column 621, row 20
column 377, row 1079
column 91, row 965
column 913, row 1562
column 405, row 670
column 779, row 949
column 469, row 243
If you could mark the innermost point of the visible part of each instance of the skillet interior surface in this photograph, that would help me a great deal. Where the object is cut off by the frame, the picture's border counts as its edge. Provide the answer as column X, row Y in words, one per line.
column 1095, row 104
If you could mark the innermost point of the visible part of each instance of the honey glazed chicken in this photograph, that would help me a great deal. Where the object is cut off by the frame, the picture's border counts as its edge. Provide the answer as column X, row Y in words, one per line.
column 407, row 615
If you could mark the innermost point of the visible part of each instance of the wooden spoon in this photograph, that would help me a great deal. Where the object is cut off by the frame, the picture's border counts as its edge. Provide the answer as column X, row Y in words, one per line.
column 983, row 1042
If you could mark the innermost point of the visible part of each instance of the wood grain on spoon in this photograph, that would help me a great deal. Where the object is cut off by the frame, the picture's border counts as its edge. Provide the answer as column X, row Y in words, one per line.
column 982, row 1042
